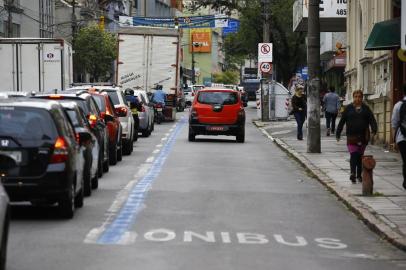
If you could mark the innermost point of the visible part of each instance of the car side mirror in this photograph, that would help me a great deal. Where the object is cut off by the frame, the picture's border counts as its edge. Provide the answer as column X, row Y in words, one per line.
column 108, row 118
column 84, row 136
column 121, row 111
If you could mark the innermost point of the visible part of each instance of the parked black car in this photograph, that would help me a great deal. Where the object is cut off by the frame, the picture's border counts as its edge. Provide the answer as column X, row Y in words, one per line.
column 91, row 147
column 97, row 124
column 4, row 223
column 44, row 161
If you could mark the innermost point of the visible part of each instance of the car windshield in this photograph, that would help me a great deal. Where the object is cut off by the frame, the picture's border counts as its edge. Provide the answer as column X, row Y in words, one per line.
column 187, row 90
column 223, row 98
column 26, row 123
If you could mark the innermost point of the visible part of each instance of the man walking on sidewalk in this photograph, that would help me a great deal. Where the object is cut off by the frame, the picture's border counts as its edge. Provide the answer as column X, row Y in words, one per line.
column 399, row 129
column 331, row 105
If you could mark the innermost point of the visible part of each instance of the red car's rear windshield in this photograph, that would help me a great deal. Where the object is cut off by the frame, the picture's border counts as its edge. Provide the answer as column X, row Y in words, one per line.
column 218, row 97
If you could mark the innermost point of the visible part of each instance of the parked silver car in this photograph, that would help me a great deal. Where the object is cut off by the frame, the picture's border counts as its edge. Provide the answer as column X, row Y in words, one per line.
column 146, row 114
column 124, row 114
column 4, row 224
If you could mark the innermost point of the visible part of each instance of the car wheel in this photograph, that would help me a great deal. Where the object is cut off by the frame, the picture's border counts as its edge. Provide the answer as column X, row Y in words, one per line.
column 79, row 197
column 106, row 163
column 4, row 240
column 87, row 187
column 146, row 133
column 241, row 136
column 113, row 154
column 95, row 180
column 120, row 151
column 100, row 165
column 135, row 135
column 191, row 135
column 67, row 203
column 127, row 147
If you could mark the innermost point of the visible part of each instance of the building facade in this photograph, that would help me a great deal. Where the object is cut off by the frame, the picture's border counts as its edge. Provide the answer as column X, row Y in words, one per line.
column 208, row 51
column 370, row 70
column 27, row 18
column 156, row 8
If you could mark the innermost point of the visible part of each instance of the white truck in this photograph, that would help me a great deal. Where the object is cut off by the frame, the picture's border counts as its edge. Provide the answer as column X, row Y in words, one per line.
column 35, row 64
column 148, row 57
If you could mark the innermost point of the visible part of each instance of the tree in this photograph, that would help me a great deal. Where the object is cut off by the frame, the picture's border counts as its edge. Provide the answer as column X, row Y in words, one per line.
column 226, row 77
column 289, row 48
column 95, row 51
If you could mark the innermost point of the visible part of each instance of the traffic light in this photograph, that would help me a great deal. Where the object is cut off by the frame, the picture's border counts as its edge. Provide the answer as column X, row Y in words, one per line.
column 101, row 23
column 176, row 20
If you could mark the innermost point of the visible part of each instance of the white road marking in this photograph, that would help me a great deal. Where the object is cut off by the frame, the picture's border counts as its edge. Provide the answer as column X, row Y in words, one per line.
column 155, row 151
column 224, row 237
column 150, row 160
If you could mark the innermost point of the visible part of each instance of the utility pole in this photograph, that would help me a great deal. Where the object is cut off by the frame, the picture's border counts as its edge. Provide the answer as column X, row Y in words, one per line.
column 73, row 19
column 265, row 76
column 10, row 5
column 193, row 59
column 313, row 92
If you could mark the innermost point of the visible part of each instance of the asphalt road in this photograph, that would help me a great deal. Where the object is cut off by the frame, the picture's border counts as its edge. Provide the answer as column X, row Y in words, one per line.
column 209, row 204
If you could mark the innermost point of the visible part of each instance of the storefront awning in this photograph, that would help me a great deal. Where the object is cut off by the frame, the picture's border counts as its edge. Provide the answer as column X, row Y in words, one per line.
column 384, row 36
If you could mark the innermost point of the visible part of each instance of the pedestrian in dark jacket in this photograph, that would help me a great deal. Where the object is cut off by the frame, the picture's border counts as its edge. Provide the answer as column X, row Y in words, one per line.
column 357, row 117
column 331, row 103
column 400, row 138
column 299, row 110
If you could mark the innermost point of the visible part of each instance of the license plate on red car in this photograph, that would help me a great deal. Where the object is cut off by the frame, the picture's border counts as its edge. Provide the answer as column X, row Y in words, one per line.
column 215, row 128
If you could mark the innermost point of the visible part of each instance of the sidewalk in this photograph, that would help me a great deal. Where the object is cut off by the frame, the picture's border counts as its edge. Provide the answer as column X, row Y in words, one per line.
column 385, row 212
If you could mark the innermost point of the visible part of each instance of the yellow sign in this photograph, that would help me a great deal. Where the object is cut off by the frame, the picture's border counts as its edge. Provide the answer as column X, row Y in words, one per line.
column 200, row 40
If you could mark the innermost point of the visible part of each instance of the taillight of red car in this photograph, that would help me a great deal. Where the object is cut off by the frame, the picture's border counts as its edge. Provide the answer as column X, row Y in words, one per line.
column 60, row 153
column 92, row 120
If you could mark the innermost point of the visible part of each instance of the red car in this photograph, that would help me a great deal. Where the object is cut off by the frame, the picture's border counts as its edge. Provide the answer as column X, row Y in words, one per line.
column 108, row 114
column 217, row 112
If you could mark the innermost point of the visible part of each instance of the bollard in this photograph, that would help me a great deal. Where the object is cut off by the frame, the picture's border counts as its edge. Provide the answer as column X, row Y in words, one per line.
column 368, row 165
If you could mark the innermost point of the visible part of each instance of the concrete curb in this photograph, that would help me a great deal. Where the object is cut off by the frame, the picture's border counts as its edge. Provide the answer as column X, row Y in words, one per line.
column 364, row 213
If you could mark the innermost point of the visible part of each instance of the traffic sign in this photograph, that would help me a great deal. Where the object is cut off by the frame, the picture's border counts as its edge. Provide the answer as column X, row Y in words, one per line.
column 266, row 67
column 265, row 52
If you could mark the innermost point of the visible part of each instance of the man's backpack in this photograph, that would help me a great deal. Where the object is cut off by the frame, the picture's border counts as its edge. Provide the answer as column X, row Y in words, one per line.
column 402, row 114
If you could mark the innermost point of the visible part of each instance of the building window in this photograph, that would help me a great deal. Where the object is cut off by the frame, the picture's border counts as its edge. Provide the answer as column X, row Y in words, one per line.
column 15, row 30
column 46, row 18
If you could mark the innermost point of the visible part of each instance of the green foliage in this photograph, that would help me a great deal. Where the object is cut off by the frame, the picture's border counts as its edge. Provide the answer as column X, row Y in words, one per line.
column 95, row 50
column 289, row 48
column 226, row 77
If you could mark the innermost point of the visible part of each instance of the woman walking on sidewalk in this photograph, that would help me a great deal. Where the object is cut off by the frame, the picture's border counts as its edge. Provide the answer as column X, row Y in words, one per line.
column 357, row 117
column 299, row 110
column 398, row 117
